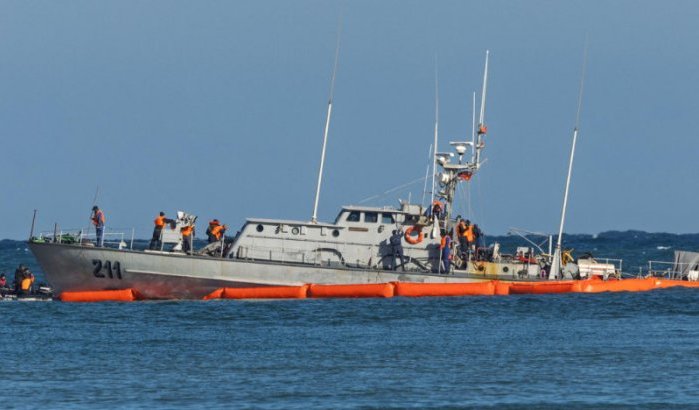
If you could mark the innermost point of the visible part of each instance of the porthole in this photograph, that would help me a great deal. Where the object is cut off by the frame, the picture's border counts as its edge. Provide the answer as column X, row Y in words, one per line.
column 505, row 269
column 336, row 233
column 260, row 228
column 295, row 230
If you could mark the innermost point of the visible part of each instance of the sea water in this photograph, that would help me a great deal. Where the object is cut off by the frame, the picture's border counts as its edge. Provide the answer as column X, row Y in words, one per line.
column 619, row 350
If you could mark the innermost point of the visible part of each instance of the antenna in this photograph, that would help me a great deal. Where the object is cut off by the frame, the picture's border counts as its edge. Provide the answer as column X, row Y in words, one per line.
column 482, row 130
column 473, row 130
column 430, row 161
column 314, row 217
column 556, row 263
column 485, row 88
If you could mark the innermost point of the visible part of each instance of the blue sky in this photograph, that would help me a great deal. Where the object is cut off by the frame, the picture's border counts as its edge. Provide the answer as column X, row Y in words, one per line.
column 218, row 107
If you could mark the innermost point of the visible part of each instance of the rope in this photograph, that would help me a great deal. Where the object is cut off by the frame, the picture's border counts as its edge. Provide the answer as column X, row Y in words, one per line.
column 377, row 196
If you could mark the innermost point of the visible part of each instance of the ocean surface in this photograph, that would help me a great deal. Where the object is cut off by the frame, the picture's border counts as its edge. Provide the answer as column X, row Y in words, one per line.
column 622, row 350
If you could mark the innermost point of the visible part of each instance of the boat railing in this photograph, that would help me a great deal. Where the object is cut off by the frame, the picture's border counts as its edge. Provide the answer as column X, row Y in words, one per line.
column 665, row 269
column 111, row 238
column 618, row 263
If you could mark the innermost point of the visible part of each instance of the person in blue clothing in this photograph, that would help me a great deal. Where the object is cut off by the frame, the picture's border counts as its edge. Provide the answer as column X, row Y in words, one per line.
column 445, row 249
column 480, row 241
column 397, row 249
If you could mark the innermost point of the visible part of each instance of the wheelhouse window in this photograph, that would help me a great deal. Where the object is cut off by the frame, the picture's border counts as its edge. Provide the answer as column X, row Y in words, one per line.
column 411, row 219
column 354, row 216
column 371, row 217
column 387, row 219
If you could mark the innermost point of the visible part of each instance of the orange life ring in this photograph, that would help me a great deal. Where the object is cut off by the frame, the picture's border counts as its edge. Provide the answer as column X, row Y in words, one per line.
column 414, row 240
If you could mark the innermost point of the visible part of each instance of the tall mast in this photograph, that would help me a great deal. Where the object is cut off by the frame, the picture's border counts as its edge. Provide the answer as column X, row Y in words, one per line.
column 482, row 130
column 436, row 126
column 314, row 218
column 556, row 263
column 435, row 227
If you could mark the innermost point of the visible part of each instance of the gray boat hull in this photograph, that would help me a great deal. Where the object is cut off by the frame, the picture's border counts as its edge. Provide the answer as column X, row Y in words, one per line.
column 179, row 276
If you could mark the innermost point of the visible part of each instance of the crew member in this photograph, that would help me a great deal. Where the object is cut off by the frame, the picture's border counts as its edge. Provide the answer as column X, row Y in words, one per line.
column 3, row 281
column 397, row 249
column 479, row 240
column 26, row 284
column 461, row 229
column 187, row 238
column 470, row 238
column 437, row 209
column 217, row 233
column 19, row 275
column 98, row 220
column 209, row 231
column 160, row 221
column 445, row 248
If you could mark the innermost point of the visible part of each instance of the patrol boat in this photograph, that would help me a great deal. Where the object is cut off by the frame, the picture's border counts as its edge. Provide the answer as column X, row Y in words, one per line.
column 355, row 248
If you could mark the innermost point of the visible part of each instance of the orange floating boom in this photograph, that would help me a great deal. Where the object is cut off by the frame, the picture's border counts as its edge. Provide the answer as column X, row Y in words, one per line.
column 671, row 283
column 214, row 295
column 266, row 292
column 502, row 288
column 124, row 295
column 624, row 285
column 444, row 289
column 371, row 290
column 526, row 288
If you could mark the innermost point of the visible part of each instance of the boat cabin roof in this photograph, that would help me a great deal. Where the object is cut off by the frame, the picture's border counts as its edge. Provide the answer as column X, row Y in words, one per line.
column 385, row 209
column 290, row 222
column 347, row 208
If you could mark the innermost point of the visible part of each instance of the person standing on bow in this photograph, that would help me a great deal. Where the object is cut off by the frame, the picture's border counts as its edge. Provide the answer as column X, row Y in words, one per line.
column 160, row 221
column 98, row 220
column 213, row 225
column 217, row 233
column 187, row 238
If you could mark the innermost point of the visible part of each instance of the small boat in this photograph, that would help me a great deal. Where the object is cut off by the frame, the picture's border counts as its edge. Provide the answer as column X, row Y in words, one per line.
column 42, row 293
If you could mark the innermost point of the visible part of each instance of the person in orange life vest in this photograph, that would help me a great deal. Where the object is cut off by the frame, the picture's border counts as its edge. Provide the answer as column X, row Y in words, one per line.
column 187, row 237
column 460, row 232
column 159, row 222
column 470, row 236
column 437, row 209
column 26, row 284
column 98, row 220
column 445, row 248
column 217, row 233
column 214, row 225
column 3, row 284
